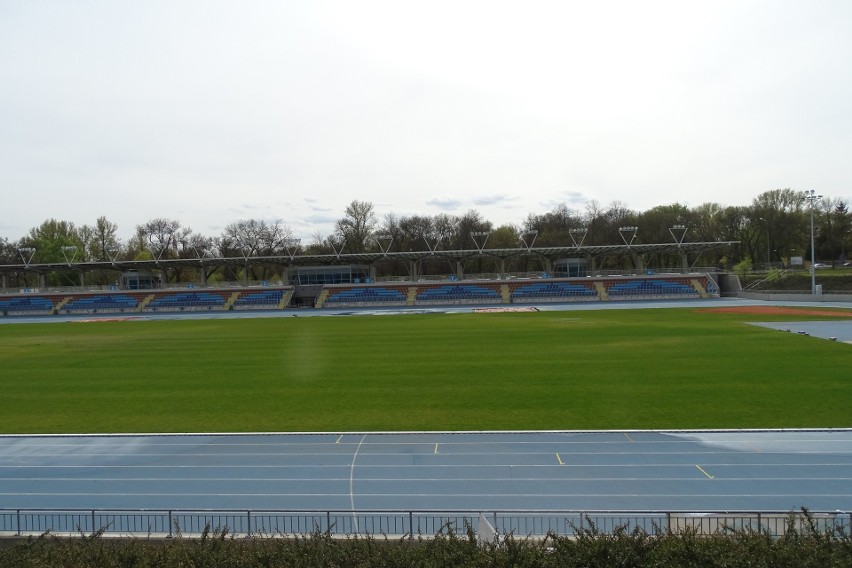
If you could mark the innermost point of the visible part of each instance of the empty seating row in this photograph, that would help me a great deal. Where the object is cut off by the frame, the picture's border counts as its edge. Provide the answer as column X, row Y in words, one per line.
column 458, row 293
column 710, row 286
column 101, row 302
column 553, row 291
column 255, row 300
column 26, row 304
column 651, row 288
column 366, row 295
column 187, row 300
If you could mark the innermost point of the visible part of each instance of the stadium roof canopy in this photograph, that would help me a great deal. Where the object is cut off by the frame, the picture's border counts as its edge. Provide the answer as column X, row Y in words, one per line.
column 367, row 258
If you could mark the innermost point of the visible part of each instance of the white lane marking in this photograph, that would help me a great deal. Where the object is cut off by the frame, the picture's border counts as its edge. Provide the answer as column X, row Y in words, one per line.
column 410, row 479
column 352, row 481
column 704, row 472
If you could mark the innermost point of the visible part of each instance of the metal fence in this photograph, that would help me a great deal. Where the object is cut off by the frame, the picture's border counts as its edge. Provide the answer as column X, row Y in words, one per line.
column 402, row 524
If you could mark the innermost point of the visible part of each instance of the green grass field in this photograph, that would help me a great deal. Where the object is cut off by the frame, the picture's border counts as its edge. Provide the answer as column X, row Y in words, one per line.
column 660, row 368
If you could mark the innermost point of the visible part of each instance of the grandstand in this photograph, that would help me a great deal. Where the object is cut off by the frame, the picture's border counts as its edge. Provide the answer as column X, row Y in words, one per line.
column 366, row 296
column 650, row 288
column 269, row 299
column 99, row 303
column 412, row 294
column 553, row 292
column 170, row 301
column 447, row 294
column 26, row 305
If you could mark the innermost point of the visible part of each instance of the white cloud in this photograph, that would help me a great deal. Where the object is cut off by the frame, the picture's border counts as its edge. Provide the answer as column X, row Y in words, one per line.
column 210, row 111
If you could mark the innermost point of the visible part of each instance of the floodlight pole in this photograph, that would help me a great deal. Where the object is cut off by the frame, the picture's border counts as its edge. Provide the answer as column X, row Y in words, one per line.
column 69, row 249
column 631, row 230
column 27, row 254
column 581, row 231
column 768, row 258
column 475, row 234
column 523, row 237
column 811, row 197
column 384, row 243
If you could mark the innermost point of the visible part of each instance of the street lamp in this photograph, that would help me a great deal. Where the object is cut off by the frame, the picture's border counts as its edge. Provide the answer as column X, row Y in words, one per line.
column 811, row 197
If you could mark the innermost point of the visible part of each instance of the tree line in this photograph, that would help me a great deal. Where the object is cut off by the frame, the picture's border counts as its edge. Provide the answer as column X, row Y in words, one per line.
column 769, row 231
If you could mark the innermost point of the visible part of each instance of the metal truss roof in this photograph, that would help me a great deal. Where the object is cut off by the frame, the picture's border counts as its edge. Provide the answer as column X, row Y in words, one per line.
column 367, row 258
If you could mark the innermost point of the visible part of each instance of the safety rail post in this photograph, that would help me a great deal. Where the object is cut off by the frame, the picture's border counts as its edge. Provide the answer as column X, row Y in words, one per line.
column 411, row 525
column 668, row 521
column 170, row 524
column 759, row 523
column 18, row 518
column 248, row 524
column 328, row 522
column 93, row 522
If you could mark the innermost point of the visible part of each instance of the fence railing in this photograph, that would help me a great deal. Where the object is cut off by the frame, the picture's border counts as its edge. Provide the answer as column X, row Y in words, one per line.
column 404, row 524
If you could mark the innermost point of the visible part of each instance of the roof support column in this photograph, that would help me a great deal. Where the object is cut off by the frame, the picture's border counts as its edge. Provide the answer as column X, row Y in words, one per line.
column 202, row 277
column 413, row 270
column 42, row 282
column 502, row 268
column 373, row 272
column 459, row 270
column 3, row 281
column 637, row 261
column 684, row 263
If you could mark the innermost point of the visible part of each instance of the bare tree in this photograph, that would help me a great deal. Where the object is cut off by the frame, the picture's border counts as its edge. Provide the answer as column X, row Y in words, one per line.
column 160, row 236
column 357, row 225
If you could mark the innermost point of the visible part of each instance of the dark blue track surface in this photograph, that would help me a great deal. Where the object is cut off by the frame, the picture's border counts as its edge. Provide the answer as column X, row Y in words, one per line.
column 734, row 471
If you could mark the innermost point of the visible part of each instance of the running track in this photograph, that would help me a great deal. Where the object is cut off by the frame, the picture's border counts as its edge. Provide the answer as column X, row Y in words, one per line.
column 680, row 471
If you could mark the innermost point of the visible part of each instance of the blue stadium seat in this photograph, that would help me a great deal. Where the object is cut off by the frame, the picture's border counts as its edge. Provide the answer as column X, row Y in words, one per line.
column 553, row 290
column 366, row 295
column 269, row 298
column 187, row 300
column 651, row 288
column 102, row 302
column 26, row 304
column 456, row 293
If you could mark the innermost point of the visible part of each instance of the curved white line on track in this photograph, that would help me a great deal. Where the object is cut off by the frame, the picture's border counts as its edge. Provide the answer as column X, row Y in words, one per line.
column 351, row 481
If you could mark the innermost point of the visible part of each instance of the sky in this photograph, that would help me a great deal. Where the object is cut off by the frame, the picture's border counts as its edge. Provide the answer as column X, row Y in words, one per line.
column 210, row 111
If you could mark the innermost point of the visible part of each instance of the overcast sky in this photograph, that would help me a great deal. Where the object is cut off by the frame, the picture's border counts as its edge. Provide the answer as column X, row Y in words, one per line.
column 212, row 111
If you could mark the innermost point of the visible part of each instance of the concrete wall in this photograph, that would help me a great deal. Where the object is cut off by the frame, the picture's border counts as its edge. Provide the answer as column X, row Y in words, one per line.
column 795, row 296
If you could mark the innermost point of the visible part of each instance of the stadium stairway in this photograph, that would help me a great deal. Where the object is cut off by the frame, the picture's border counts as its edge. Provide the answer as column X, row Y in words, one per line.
column 323, row 296
column 285, row 299
column 599, row 286
column 62, row 303
column 147, row 300
column 699, row 288
column 505, row 294
column 229, row 303
column 411, row 296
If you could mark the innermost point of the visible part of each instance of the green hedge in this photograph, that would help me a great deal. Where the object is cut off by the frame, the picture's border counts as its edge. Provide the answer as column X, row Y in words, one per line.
column 588, row 549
